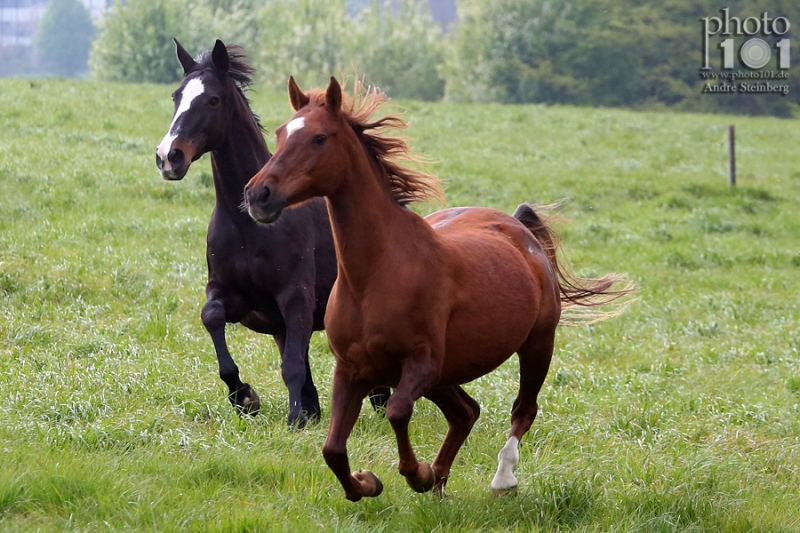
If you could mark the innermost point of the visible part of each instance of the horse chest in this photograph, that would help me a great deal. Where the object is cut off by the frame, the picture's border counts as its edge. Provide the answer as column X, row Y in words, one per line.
column 360, row 336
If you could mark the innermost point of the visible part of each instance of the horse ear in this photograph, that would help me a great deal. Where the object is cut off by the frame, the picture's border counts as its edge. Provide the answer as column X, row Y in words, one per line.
column 184, row 57
column 333, row 96
column 296, row 96
column 219, row 58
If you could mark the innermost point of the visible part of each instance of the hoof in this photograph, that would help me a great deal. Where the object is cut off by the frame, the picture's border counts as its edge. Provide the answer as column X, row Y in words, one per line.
column 371, row 485
column 301, row 419
column 246, row 401
column 424, row 479
column 501, row 493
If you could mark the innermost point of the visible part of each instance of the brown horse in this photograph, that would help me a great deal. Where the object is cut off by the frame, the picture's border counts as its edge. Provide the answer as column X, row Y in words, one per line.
column 422, row 305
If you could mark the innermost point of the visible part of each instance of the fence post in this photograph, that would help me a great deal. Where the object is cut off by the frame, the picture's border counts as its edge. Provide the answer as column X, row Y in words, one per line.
column 731, row 156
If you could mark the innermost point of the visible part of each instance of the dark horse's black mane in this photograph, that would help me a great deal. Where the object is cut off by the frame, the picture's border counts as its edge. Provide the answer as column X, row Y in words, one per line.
column 240, row 72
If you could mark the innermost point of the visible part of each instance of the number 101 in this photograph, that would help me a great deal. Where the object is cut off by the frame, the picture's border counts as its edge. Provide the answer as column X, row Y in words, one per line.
column 755, row 53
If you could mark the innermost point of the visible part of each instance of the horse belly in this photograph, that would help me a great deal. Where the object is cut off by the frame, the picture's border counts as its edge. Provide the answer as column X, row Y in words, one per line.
column 481, row 337
column 497, row 299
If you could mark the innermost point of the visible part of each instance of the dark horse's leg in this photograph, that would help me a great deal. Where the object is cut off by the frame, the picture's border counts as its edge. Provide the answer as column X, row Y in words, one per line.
column 308, row 394
column 378, row 397
column 534, row 362
column 461, row 412
column 298, row 312
column 346, row 399
column 241, row 395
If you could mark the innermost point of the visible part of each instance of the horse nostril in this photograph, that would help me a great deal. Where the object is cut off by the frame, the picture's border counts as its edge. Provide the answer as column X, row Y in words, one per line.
column 175, row 157
column 256, row 193
column 265, row 192
column 159, row 162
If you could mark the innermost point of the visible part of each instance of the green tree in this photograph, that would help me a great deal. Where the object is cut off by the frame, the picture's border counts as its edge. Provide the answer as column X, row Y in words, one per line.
column 65, row 36
column 135, row 42
column 631, row 53
column 398, row 47
column 304, row 39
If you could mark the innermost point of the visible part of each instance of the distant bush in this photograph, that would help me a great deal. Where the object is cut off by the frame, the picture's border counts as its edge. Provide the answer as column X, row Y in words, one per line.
column 301, row 38
column 64, row 38
column 590, row 53
column 399, row 50
column 554, row 51
column 396, row 48
column 594, row 52
column 135, row 42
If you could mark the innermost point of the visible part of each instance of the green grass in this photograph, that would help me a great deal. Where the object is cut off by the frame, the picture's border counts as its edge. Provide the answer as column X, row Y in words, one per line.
column 681, row 415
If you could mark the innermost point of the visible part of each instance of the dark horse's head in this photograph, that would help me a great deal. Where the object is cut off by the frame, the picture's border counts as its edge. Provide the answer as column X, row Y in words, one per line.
column 211, row 90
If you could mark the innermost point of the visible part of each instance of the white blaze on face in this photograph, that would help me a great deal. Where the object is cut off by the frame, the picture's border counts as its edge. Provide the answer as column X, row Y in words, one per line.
column 294, row 125
column 192, row 90
column 508, row 459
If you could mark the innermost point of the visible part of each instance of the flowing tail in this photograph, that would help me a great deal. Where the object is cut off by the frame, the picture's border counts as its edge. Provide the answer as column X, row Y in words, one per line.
column 576, row 292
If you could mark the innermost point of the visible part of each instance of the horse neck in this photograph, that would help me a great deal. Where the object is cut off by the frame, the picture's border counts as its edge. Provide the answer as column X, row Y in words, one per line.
column 238, row 159
column 367, row 225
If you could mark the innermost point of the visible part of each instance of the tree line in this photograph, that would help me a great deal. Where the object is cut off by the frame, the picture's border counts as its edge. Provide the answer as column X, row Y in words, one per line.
column 616, row 53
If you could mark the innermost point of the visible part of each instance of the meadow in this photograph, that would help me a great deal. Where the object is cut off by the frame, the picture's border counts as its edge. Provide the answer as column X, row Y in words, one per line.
column 683, row 414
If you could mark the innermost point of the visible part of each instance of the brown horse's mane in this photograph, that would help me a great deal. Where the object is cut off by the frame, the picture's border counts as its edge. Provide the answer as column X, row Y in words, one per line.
column 390, row 154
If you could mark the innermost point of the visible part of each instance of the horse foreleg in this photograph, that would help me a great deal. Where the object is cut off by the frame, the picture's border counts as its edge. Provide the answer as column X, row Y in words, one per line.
column 347, row 397
column 241, row 395
column 416, row 379
column 297, row 311
column 461, row 412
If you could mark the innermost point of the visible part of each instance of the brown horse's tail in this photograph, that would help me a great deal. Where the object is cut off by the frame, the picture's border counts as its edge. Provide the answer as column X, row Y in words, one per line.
column 576, row 292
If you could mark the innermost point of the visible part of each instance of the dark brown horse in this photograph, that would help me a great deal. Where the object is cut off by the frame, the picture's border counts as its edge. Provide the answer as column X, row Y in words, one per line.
column 272, row 279
column 422, row 305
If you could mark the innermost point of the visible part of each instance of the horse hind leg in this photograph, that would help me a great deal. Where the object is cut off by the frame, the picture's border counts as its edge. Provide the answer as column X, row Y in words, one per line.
column 461, row 412
column 534, row 362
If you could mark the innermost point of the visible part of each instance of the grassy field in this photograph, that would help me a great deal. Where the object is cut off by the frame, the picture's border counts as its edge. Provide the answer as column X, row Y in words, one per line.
column 681, row 415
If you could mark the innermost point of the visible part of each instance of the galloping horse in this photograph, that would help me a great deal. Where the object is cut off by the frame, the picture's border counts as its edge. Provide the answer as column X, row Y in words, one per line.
column 422, row 305
column 272, row 279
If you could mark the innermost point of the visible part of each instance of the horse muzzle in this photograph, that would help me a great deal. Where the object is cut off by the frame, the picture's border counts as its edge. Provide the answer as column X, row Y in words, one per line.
column 262, row 206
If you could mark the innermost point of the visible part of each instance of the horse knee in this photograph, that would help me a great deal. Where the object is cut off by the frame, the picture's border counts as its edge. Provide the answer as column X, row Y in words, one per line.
column 213, row 315
column 399, row 409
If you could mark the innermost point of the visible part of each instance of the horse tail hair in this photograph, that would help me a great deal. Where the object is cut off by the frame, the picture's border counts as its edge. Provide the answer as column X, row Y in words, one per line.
column 578, row 295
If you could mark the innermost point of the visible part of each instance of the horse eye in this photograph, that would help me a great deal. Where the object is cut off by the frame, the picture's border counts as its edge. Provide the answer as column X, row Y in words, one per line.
column 213, row 101
column 319, row 139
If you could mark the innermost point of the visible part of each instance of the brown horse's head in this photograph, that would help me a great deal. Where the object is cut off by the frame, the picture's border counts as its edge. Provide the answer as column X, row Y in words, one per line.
column 204, row 102
column 318, row 147
column 310, row 158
